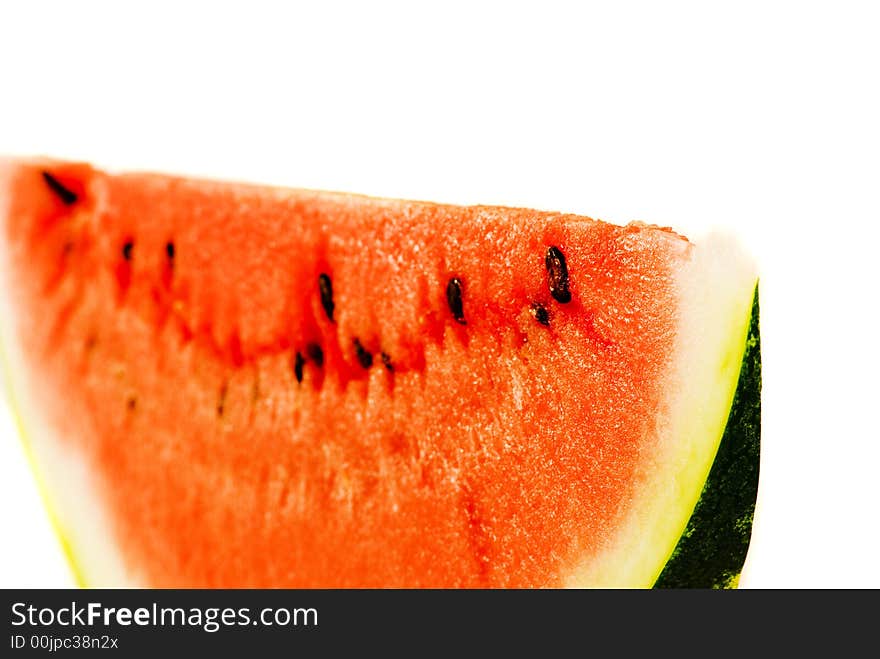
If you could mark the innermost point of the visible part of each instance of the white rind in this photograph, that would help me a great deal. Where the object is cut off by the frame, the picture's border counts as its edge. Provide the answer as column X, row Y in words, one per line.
column 65, row 477
column 715, row 289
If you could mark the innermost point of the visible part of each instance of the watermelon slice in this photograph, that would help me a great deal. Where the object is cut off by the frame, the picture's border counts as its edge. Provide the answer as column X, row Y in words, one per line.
column 232, row 385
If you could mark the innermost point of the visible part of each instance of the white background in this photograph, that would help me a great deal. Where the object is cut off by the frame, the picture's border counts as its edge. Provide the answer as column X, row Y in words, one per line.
column 760, row 118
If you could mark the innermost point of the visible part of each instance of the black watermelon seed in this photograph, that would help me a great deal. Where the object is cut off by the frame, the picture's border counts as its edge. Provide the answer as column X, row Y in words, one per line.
column 131, row 403
column 325, row 286
column 221, row 401
column 127, row 249
column 66, row 195
column 557, row 272
column 298, row 363
column 169, row 251
column 453, row 298
column 386, row 359
column 540, row 313
column 314, row 352
column 364, row 357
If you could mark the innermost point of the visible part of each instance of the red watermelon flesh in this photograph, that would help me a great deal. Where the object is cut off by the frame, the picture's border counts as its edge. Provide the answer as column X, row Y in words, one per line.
column 269, row 387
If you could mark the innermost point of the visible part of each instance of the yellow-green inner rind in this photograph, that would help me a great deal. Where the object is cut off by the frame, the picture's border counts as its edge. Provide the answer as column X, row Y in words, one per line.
column 713, row 547
column 43, row 490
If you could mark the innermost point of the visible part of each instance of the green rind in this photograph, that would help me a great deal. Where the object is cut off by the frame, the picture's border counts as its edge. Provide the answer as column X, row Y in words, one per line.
column 713, row 547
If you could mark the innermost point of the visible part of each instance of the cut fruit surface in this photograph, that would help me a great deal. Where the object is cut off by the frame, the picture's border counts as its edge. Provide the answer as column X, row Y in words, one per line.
column 233, row 385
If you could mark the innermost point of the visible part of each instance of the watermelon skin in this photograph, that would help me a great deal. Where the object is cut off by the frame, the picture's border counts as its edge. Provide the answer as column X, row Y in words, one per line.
column 171, row 380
